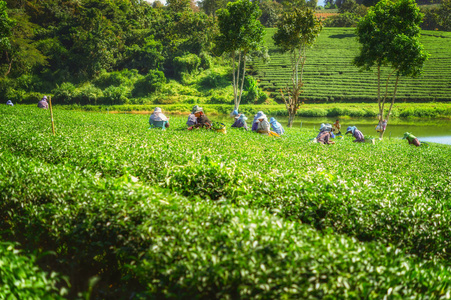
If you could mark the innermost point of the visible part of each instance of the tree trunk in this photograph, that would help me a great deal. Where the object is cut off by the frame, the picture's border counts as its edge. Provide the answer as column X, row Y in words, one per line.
column 391, row 105
column 291, row 118
column 242, row 80
column 233, row 79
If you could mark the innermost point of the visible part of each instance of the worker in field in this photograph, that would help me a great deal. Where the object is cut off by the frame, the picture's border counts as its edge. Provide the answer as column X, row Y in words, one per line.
column 276, row 126
column 235, row 114
column 336, row 128
column 359, row 137
column 9, row 103
column 325, row 134
column 158, row 119
column 381, row 126
column 240, row 122
column 192, row 118
column 43, row 103
column 201, row 119
column 413, row 140
column 255, row 122
column 263, row 126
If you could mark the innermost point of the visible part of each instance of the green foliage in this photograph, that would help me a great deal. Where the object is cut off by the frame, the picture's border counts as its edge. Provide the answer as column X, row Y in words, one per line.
column 153, row 215
column 186, row 64
column 345, row 19
column 296, row 30
column 331, row 77
column 149, row 84
column 6, row 25
column 253, row 93
column 389, row 35
column 21, row 278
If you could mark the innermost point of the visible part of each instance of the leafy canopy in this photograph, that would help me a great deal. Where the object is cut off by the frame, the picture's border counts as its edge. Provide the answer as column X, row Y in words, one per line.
column 389, row 35
column 297, row 28
column 239, row 27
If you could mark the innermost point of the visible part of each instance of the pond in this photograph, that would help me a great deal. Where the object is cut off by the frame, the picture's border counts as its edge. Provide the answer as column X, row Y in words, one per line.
column 432, row 130
column 429, row 130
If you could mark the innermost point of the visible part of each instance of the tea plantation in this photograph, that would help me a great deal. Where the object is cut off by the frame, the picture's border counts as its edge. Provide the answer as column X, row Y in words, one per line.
column 330, row 75
column 118, row 211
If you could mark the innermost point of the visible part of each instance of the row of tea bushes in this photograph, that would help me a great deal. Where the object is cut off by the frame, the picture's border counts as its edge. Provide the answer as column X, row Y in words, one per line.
column 21, row 278
column 389, row 192
column 144, row 242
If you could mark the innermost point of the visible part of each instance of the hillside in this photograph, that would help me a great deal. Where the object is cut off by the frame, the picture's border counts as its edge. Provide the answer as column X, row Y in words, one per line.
column 330, row 76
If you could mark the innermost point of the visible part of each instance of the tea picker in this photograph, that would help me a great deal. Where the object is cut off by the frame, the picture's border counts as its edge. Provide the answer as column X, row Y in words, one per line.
column 413, row 140
column 357, row 134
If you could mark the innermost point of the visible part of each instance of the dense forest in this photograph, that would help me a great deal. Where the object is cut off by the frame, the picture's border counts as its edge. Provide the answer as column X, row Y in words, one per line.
column 111, row 51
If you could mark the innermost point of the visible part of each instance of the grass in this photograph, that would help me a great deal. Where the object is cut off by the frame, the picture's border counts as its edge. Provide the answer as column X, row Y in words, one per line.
column 330, row 76
column 183, row 214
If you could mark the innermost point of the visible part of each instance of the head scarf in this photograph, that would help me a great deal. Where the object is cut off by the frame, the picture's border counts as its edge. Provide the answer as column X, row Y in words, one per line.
column 235, row 112
column 9, row 102
column 272, row 120
column 351, row 129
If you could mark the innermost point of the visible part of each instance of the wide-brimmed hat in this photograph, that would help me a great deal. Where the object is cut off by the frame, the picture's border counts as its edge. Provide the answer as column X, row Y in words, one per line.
column 235, row 112
column 157, row 110
column 350, row 129
column 260, row 115
column 9, row 102
column 45, row 97
column 243, row 117
column 272, row 120
column 195, row 107
column 198, row 109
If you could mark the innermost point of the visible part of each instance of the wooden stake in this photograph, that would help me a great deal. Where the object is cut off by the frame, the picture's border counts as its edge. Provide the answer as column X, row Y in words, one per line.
column 51, row 114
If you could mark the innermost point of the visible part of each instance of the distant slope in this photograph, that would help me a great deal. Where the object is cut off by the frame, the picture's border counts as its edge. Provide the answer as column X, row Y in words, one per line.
column 330, row 76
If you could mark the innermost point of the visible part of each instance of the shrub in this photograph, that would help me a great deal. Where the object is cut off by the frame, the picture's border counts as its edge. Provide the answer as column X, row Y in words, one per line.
column 115, row 95
column 188, row 63
column 88, row 94
column 66, row 93
column 125, row 77
column 342, row 20
column 149, row 84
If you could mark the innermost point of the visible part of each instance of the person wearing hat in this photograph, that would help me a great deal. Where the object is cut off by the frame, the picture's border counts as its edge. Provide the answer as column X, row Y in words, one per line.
column 255, row 122
column 43, row 103
column 240, row 121
column 413, row 140
column 324, row 137
column 263, row 126
column 276, row 126
column 192, row 118
column 158, row 119
column 10, row 103
column 234, row 114
column 359, row 138
column 201, row 119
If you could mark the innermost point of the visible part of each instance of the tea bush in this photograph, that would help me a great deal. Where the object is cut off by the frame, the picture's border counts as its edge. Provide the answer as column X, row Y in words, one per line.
column 20, row 278
column 185, row 214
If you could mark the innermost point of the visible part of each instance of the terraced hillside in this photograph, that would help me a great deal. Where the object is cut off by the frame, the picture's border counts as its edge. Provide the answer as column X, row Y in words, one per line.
column 330, row 75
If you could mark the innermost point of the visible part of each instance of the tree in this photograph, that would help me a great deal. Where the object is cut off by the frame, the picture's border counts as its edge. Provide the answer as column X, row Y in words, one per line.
column 6, row 25
column 20, row 53
column 296, row 31
column 240, row 32
column 389, row 36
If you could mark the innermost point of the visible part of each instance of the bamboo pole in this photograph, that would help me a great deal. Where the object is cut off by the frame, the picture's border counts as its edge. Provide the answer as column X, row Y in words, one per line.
column 51, row 114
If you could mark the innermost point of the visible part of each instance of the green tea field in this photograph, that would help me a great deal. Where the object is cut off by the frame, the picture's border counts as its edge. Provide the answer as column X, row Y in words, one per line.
column 109, row 209
column 330, row 76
